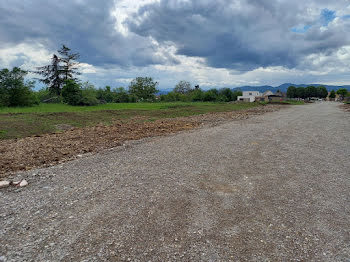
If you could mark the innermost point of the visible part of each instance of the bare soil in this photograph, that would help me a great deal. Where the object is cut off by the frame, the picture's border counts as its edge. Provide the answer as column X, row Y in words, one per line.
column 346, row 107
column 50, row 149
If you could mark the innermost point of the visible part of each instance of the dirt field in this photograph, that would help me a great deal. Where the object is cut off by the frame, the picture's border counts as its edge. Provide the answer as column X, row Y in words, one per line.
column 273, row 187
column 53, row 148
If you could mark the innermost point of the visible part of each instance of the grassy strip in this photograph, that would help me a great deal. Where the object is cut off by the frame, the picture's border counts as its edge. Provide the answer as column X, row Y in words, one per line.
column 46, row 118
column 59, row 108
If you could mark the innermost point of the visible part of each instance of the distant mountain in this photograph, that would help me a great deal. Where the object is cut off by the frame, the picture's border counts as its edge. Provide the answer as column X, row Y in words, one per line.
column 164, row 91
column 285, row 86
column 264, row 88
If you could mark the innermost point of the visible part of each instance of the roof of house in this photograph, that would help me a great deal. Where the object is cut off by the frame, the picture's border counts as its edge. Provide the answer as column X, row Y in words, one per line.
column 268, row 93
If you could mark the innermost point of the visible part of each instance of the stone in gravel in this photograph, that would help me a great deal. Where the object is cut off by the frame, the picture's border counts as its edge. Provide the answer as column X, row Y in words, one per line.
column 4, row 184
column 23, row 183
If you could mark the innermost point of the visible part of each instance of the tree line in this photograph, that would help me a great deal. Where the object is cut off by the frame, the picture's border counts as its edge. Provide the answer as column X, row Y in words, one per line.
column 312, row 91
column 307, row 92
column 185, row 93
column 62, row 85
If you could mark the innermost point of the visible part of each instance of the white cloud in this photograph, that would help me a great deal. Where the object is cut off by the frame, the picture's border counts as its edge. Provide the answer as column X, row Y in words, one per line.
column 163, row 62
column 85, row 68
column 124, row 9
column 24, row 55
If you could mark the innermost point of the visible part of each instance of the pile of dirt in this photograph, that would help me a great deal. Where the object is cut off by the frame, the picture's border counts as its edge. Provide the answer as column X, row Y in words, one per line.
column 49, row 149
column 346, row 107
column 36, row 151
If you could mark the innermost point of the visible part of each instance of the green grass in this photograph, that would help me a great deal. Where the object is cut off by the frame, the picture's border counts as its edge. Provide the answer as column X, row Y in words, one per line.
column 59, row 108
column 45, row 118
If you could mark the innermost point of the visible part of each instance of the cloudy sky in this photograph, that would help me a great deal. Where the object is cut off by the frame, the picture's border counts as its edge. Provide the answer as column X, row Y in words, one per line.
column 222, row 43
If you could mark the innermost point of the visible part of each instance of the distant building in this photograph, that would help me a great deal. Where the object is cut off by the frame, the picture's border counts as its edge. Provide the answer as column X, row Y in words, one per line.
column 269, row 96
column 277, row 97
column 249, row 96
column 267, row 93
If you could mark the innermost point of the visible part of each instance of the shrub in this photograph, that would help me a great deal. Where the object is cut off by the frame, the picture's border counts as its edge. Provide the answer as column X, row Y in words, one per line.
column 88, row 100
column 14, row 91
column 171, row 97
column 122, row 96
column 88, row 96
column 71, row 93
column 227, row 95
column 210, row 96
column 44, row 95
column 105, row 94
column 197, row 95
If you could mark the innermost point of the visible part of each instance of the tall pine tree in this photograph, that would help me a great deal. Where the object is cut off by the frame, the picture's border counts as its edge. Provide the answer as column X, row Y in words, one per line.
column 69, row 63
column 59, row 70
column 52, row 75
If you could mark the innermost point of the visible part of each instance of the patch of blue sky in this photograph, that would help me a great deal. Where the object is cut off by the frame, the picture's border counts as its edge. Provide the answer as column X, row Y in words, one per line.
column 300, row 29
column 346, row 17
column 327, row 16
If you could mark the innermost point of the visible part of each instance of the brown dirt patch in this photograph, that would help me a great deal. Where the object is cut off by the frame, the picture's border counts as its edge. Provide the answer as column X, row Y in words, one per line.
column 50, row 149
column 346, row 107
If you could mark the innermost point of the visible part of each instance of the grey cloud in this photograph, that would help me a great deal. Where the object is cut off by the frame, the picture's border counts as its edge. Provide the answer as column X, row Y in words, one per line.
column 85, row 26
column 238, row 34
column 242, row 35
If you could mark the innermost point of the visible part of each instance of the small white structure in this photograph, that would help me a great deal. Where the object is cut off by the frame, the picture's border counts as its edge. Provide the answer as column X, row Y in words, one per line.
column 249, row 96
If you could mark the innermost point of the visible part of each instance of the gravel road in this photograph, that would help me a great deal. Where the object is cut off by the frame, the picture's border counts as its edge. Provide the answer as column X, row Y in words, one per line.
column 274, row 187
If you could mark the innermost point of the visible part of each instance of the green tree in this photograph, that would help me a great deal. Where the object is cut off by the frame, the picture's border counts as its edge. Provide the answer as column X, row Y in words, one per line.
column 227, row 94
column 183, row 87
column 342, row 92
column 72, row 93
column 121, row 95
column 144, row 88
column 69, row 62
column 235, row 94
column 61, row 68
column 105, row 94
column 210, row 95
column 310, row 91
column 332, row 94
column 197, row 95
column 52, row 75
column 14, row 91
column 300, row 92
column 291, row 92
column 88, row 95
column 171, row 97
column 322, row 92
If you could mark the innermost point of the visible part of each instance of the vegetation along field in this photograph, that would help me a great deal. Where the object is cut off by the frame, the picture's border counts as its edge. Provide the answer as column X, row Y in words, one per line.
column 17, row 122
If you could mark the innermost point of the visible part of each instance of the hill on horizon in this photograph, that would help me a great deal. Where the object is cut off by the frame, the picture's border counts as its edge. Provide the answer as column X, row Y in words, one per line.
column 274, row 89
column 285, row 86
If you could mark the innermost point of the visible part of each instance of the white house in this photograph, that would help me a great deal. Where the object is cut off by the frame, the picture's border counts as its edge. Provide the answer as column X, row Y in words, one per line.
column 249, row 96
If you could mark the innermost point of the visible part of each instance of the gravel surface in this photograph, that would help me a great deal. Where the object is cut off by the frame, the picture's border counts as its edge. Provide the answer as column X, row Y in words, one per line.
column 274, row 187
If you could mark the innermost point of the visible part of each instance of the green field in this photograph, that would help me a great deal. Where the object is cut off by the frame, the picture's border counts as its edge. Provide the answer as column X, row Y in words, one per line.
column 46, row 118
